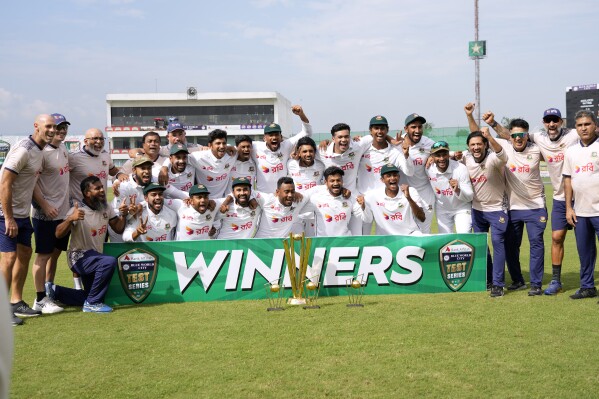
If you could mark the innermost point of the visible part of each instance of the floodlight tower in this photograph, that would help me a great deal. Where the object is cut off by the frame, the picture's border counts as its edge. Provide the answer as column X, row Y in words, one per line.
column 477, row 50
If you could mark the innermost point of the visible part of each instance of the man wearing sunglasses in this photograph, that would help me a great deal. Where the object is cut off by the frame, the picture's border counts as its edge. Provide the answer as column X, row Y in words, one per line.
column 553, row 142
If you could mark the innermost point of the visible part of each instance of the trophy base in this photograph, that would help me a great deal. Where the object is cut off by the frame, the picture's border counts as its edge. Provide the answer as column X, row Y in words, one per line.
column 296, row 301
column 355, row 305
column 311, row 307
column 274, row 309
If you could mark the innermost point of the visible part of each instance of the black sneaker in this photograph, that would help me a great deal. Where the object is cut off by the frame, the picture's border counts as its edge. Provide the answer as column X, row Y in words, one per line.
column 16, row 321
column 496, row 291
column 516, row 285
column 21, row 309
column 534, row 291
column 584, row 293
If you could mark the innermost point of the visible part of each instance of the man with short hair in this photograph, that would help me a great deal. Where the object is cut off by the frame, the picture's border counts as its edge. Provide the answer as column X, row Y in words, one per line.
column 244, row 166
column 239, row 220
column 195, row 217
column 18, row 177
column 420, row 147
column 271, row 156
column 453, row 191
column 395, row 209
column 151, row 149
column 581, row 182
column 181, row 175
column 155, row 222
column 175, row 133
column 552, row 142
column 333, row 211
column 50, row 207
column 88, row 223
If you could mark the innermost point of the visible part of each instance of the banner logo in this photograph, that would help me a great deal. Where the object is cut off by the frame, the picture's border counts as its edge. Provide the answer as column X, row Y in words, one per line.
column 455, row 262
column 137, row 271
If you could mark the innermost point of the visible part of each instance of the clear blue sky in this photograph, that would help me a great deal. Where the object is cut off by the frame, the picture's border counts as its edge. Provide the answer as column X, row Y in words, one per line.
column 342, row 60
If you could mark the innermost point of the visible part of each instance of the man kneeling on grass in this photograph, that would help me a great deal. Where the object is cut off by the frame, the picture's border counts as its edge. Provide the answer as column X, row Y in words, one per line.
column 88, row 226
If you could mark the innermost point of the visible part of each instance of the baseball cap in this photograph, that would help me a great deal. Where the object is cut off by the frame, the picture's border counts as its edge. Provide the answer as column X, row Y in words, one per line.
column 60, row 118
column 152, row 187
column 388, row 168
column 414, row 117
column 440, row 146
column 198, row 189
column 378, row 120
column 141, row 160
column 174, row 126
column 241, row 180
column 272, row 128
column 178, row 148
column 552, row 112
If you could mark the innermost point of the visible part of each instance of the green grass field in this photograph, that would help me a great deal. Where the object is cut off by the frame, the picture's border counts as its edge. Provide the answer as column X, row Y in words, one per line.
column 438, row 345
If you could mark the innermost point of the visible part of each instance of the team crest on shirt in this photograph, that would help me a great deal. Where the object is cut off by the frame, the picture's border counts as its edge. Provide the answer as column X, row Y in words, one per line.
column 105, row 215
column 227, row 166
column 279, row 155
column 104, row 163
column 386, row 159
column 501, row 219
column 344, row 204
column 167, row 226
column 421, row 149
column 251, row 169
column 543, row 219
column 352, row 154
column 253, row 213
column 594, row 154
column 317, row 173
column 189, row 174
column 529, row 156
column 208, row 217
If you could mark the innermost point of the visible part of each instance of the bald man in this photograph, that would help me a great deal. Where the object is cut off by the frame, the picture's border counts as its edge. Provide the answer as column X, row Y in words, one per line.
column 91, row 160
column 18, row 177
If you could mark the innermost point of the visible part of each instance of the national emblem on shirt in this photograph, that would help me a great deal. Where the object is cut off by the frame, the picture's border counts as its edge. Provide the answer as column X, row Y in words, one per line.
column 352, row 154
column 167, row 226
column 208, row 217
column 251, row 169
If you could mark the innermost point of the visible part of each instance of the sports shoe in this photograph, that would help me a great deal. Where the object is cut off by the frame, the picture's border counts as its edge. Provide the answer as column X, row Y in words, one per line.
column 516, row 286
column 21, row 309
column 535, row 291
column 584, row 293
column 16, row 321
column 47, row 306
column 96, row 307
column 554, row 288
column 496, row 291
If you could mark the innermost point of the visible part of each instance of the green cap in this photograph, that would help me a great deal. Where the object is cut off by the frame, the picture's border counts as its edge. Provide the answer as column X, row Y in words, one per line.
column 198, row 189
column 241, row 180
column 272, row 128
column 440, row 146
column 152, row 187
column 175, row 148
column 378, row 120
column 388, row 168
column 414, row 117
column 141, row 160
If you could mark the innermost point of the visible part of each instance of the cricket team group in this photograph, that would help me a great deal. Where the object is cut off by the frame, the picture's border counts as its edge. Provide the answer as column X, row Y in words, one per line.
column 344, row 186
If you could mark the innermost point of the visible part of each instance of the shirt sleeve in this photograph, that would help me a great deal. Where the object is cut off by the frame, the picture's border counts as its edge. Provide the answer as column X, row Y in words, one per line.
column 466, row 190
column 17, row 160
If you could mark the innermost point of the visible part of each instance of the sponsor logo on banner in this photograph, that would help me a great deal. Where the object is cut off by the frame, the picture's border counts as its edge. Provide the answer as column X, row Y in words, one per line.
column 138, row 269
column 455, row 263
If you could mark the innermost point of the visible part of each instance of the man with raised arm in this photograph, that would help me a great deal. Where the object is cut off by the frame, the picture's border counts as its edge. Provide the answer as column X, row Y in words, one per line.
column 155, row 222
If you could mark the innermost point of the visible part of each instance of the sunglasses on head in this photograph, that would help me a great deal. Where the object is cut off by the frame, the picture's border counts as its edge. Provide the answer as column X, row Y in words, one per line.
column 439, row 144
column 521, row 135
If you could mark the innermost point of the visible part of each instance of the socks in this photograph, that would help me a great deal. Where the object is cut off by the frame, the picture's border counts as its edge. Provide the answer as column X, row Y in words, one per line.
column 78, row 283
column 40, row 296
column 557, row 271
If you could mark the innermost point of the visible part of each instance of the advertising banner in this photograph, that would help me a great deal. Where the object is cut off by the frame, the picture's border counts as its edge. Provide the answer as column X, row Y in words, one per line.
column 212, row 270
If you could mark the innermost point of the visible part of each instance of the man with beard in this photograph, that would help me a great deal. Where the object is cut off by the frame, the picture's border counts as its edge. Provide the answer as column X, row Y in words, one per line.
column 181, row 175
column 239, row 220
column 18, row 177
column 395, row 211
column 553, row 142
column 279, row 211
column 332, row 211
column 306, row 172
column 420, row 147
column 176, row 134
column 489, row 204
column 271, row 156
column 155, row 222
column 195, row 218
column 244, row 166
column 453, row 191
column 581, row 181
column 87, row 222
column 50, row 207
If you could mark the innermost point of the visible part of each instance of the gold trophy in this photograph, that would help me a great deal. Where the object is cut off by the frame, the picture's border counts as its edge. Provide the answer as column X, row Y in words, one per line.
column 297, row 275
column 355, row 290
column 274, row 293
column 312, row 290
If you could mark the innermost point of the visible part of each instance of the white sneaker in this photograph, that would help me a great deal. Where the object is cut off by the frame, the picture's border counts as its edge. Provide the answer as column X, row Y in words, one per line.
column 47, row 306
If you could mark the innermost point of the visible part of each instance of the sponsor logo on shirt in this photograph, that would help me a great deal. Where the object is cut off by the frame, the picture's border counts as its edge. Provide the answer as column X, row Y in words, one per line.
column 418, row 161
column 349, row 165
column 335, row 218
column 64, row 170
column 204, row 230
column 243, row 227
column 558, row 158
column 520, row 169
column 305, row 186
column 394, row 216
column 480, row 179
column 585, row 168
column 98, row 232
column 283, row 219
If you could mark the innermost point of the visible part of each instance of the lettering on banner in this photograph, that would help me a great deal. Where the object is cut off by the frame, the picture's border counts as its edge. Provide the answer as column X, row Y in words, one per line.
column 137, row 269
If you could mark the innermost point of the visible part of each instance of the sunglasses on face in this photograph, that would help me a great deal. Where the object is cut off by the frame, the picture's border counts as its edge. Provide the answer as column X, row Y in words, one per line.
column 515, row 135
column 550, row 119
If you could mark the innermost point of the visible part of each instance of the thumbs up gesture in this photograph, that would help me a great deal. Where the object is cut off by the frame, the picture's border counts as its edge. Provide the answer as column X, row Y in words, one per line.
column 78, row 214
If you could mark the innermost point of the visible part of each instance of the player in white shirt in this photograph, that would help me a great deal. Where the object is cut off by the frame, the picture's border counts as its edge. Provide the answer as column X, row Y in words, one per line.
column 151, row 149
column 239, row 220
column 181, row 175
column 244, row 166
column 581, row 181
column 553, row 142
column 155, row 222
column 489, row 204
column 453, row 191
column 395, row 209
column 271, row 156
column 195, row 219
column 306, row 172
column 333, row 212
column 420, row 147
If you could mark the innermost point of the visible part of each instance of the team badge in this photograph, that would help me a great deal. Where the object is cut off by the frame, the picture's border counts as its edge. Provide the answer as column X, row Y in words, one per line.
column 344, row 204
column 208, row 217
column 317, row 173
column 501, row 219
column 594, row 154
column 455, row 263
column 189, row 174
column 227, row 166
column 430, row 208
column 138, row 269
column 167, row 226
column 105, row 215
column 543, row 219
column 251, row 169
column 529, row 157
column 386, row 159
column 253, row 213
column 279, row 155
column 351, row 154
column 104, row 163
